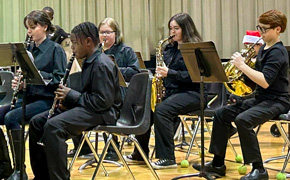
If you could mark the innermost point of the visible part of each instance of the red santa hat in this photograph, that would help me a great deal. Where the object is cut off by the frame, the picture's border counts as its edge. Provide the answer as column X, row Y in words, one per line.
column 252, row 37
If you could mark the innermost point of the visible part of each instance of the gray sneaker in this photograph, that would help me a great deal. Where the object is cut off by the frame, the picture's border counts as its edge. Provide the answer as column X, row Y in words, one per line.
column 164, row 164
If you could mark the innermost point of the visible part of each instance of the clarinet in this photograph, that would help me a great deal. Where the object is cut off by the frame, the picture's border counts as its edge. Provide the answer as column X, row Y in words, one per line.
column 18, row 74
column 63, row 81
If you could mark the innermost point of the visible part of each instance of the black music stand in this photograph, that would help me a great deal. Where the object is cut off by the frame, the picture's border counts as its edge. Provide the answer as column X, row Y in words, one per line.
column 30, row 73
column 204, row 66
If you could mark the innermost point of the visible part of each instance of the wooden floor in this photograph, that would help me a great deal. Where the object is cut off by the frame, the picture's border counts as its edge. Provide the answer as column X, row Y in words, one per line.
column 270, row 146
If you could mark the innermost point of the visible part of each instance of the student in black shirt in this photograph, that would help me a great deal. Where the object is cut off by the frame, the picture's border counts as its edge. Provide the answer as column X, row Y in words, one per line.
column 98, row 103
column 181, row 94
column 127, row 61
column 271, row 99
column 50, row 60
column 58, row 35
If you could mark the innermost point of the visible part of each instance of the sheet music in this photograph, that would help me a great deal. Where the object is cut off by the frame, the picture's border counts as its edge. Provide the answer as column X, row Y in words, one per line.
column 30, row 56
column 25, row 60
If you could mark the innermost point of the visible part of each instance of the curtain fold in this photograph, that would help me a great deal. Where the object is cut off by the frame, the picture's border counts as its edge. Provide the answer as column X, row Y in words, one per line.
column 144, row 22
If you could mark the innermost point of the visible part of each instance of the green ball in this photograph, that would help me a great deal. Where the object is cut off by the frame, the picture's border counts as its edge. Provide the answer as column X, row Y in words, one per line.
column 281, row 176
column 242, row 169
column 239, row 158
column 184, row 163
column 199, row 153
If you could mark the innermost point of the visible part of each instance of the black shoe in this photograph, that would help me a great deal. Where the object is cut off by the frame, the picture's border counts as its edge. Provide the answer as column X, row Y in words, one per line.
column 164, row 164
column 255, row 174
column 232, row 131
column 111, row 156
column 5, row 169
column 72, row 152
column 16, row 175
column 131, row 158
column 208, row 167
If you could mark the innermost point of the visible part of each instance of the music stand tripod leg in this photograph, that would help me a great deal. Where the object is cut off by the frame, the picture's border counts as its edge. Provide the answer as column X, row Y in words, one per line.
column 202, row 173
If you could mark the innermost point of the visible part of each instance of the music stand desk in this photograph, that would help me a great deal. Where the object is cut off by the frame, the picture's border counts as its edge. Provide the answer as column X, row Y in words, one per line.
column 204, row 66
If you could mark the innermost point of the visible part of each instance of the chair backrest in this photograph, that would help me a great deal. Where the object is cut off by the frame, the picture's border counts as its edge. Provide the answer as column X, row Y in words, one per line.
column 135, row 111
column 140, row 60
column 74, row 81
column 5, row 87
column 216, row 95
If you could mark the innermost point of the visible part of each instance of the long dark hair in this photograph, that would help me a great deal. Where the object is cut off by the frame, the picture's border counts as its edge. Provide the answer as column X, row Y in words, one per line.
column 39, row 17
column 189, row 31
column 87, row 29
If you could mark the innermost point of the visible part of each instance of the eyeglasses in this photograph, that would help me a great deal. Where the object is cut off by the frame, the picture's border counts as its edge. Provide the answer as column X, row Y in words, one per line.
column 106, row 32
column 263, row 29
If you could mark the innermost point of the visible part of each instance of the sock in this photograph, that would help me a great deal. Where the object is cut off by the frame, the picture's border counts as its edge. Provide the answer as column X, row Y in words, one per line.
column 259, row 166
column 218, row 161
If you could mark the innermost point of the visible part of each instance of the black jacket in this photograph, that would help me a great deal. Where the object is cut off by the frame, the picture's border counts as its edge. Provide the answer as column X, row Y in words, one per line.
column 178, row 79
column 100, row 88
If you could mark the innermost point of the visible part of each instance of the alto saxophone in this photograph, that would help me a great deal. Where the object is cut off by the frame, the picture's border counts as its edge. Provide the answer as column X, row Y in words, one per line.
column 63, row 81
column 18, row 75
column 158, row 90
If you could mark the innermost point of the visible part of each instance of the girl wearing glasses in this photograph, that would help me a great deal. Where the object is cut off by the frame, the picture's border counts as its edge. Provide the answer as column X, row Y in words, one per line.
column 112, row 40
column 271, row 99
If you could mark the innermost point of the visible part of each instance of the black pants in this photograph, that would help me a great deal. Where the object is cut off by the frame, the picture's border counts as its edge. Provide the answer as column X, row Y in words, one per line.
column 50, row 161
column 166, row 115
column 174, row 105
column 246, row 115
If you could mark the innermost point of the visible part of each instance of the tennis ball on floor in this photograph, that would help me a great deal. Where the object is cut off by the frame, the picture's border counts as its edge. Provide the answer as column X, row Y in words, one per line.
column 184, row 163
column 242, row 169
column 199, row 153
column 281, row 176
column 239, row 158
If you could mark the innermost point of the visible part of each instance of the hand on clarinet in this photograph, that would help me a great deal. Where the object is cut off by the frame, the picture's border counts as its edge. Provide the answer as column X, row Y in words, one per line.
column 16, row 82
column 61, row 92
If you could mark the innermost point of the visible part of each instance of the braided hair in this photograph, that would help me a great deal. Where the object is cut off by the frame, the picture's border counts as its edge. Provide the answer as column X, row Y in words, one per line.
column 85, row 30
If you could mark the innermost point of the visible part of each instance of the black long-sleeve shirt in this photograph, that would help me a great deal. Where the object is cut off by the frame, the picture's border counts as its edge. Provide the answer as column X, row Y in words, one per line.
column 100, row 87
column 274, row 64
column 50, row 60
column 126, row 60
column 178, row 78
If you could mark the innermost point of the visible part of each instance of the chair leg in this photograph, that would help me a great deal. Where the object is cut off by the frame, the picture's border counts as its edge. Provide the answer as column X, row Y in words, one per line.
column 96, row 155
column 144, row 156
column 121, row 157
column 78, row 151
column 102, row 157
column 286, row 143
column 91, row 161
column 286, row 161
column 193, row 140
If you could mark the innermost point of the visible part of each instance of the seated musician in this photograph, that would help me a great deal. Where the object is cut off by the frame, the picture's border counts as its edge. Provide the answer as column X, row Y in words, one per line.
column 249, row 39
column 271, row 99
column 50, row 60
column 181, row 96
column 98, row 103
column 58, row 35
column 112, row 40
